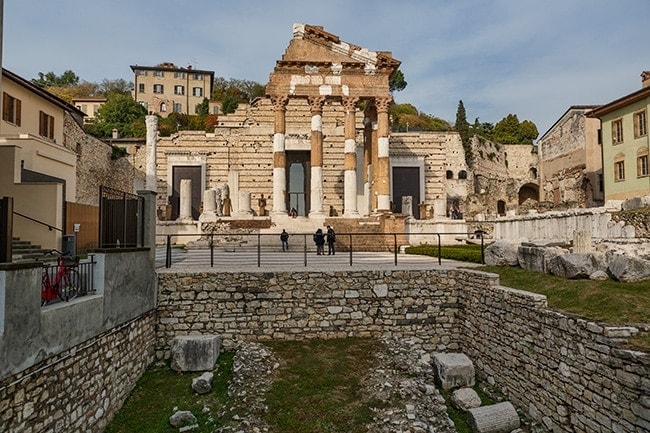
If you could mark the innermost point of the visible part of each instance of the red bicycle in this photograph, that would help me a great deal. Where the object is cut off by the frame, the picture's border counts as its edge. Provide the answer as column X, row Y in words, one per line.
column 61, row 280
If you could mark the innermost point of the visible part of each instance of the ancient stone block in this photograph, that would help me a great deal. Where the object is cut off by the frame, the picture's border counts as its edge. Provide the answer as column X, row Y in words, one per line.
column 465, row 399
column 203, row 383
column 502, row 253
column 496, row 418
column 628, row 269
column 576, row 265
column 195, row 352
column 453, row 370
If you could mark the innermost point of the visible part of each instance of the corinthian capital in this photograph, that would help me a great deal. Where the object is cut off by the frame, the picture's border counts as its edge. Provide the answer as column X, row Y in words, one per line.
column 279, row 102
column 383, row 103
column 316, row 103
column 349, row 103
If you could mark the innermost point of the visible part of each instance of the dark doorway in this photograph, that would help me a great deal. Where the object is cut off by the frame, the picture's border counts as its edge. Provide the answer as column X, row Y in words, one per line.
column 406, row 181
column 192, row 172
column 298, row 181
column 501, row 208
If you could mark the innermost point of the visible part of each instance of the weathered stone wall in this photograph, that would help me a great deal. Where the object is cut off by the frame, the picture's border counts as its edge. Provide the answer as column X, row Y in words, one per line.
column 567, row 373
column 303, row 305
column 81, row 388
column 95, row 166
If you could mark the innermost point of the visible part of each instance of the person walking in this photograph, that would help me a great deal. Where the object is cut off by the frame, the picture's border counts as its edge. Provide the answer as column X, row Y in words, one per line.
column 284, row 240
column 319, row 240
column 331, row 239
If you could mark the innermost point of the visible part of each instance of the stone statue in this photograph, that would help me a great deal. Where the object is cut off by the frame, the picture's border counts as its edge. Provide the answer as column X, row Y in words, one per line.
column 227, row 206
column 218, row 203
column 261, row 203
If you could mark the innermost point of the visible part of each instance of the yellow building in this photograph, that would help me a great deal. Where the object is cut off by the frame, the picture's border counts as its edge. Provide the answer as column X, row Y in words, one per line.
column 626, row 143
column 89, row 106
column 165, row 88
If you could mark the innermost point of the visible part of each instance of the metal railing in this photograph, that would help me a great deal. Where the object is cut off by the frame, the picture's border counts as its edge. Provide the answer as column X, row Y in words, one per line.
column 121, row 222
column 346, row 243
column 49, row 226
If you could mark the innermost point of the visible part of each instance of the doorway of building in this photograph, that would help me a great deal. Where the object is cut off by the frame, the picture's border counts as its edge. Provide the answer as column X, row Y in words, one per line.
column 192, row 172
column 298, row 181
column 406, row 181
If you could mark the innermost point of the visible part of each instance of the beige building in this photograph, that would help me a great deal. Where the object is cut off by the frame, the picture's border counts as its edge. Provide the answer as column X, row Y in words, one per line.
column 626, row 143
column 166, row 88
column 570, row 160
column 38, row 164
column 89, row 106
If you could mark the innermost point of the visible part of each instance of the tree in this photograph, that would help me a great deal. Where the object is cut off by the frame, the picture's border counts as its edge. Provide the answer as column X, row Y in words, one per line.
column 241, row 90
column 406, row 117
column 509, row 131
column 396, row 82
column 462, row 127
column 120, row 86
column 119, row 112
column 483, row 129
column 68, row 78
column 203, row 108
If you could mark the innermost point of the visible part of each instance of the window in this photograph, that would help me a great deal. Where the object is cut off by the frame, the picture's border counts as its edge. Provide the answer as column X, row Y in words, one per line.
column 163, row 107
column 449, row 174
column 617, row 131
column 619, row 169
column 158, row 88
column 640, row 124
column 642, row 162
column 158, row 74
column 141, row 87
column 178, row 108
column 215, row 109
column 46, row 125
column 144, row 104
column 197, row 77
column 642, row 166
column 179, row 90
column 11, row 108
column 179, row 74
column 462, row 174
column 95, row 109
column 140, row 72
column 84, row 108
column 197, row 91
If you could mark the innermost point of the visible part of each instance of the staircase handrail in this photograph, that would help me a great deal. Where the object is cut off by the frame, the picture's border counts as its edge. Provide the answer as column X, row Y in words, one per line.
column 49, row 226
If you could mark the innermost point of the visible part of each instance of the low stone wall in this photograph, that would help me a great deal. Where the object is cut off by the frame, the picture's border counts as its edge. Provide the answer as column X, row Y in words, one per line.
column 566, row 373
column 304, row 305
column 81, row 388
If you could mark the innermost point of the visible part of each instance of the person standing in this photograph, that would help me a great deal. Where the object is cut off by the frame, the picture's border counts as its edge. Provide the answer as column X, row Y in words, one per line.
column 331, row 239
column 319, row 240
column 284, row 240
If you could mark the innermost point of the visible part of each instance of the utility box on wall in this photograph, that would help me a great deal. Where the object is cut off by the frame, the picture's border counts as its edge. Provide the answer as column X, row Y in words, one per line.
column 6, row 228
column 69, row 246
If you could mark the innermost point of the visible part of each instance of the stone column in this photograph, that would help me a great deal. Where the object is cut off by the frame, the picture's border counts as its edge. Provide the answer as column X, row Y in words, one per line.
column 209, row 213
column 369, row 156
column 350, row 161
column 151, row 123
column 185, row 211
column 382, row 179
column 245, row 203
column 279, row 156
column 316, row 204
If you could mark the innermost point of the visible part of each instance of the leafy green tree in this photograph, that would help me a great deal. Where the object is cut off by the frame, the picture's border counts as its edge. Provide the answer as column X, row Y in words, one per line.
column 406, row 117
column 119, row 112
column 506, row 131
column 462, row 127
column 229, row 104
column 203, row 108
column 483, row 129
column 396, row 82
column 50, row 79
column 527, row 132
column 242, row 90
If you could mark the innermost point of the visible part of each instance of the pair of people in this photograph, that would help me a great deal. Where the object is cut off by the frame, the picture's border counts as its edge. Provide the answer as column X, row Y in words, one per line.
column 320, row 238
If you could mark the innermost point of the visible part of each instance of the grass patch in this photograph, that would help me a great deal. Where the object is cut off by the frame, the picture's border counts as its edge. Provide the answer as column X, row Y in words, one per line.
column 161, row 389
column 320, row 386
column 607, row 301
column 462, row 252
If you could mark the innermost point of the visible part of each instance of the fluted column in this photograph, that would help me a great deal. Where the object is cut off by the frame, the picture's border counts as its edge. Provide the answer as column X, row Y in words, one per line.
column 350, row 159
column 316, row 193
column 279, row 155
column 383, row 162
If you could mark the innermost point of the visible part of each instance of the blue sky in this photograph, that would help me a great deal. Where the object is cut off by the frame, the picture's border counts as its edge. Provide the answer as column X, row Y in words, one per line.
column 531, row 58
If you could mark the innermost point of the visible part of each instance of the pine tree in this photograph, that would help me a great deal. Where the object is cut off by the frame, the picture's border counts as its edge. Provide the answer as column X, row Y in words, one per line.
column 462, row 127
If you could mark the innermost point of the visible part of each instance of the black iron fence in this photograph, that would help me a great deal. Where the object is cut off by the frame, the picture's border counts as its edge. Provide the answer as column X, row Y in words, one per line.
column 121, row 222
column 261, row 247
column 67, row 279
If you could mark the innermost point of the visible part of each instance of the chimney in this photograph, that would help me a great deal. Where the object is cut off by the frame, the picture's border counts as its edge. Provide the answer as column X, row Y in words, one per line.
column 645, row 79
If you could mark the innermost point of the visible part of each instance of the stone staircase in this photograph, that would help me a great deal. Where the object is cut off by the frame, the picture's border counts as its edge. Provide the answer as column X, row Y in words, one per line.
column 23, row 251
